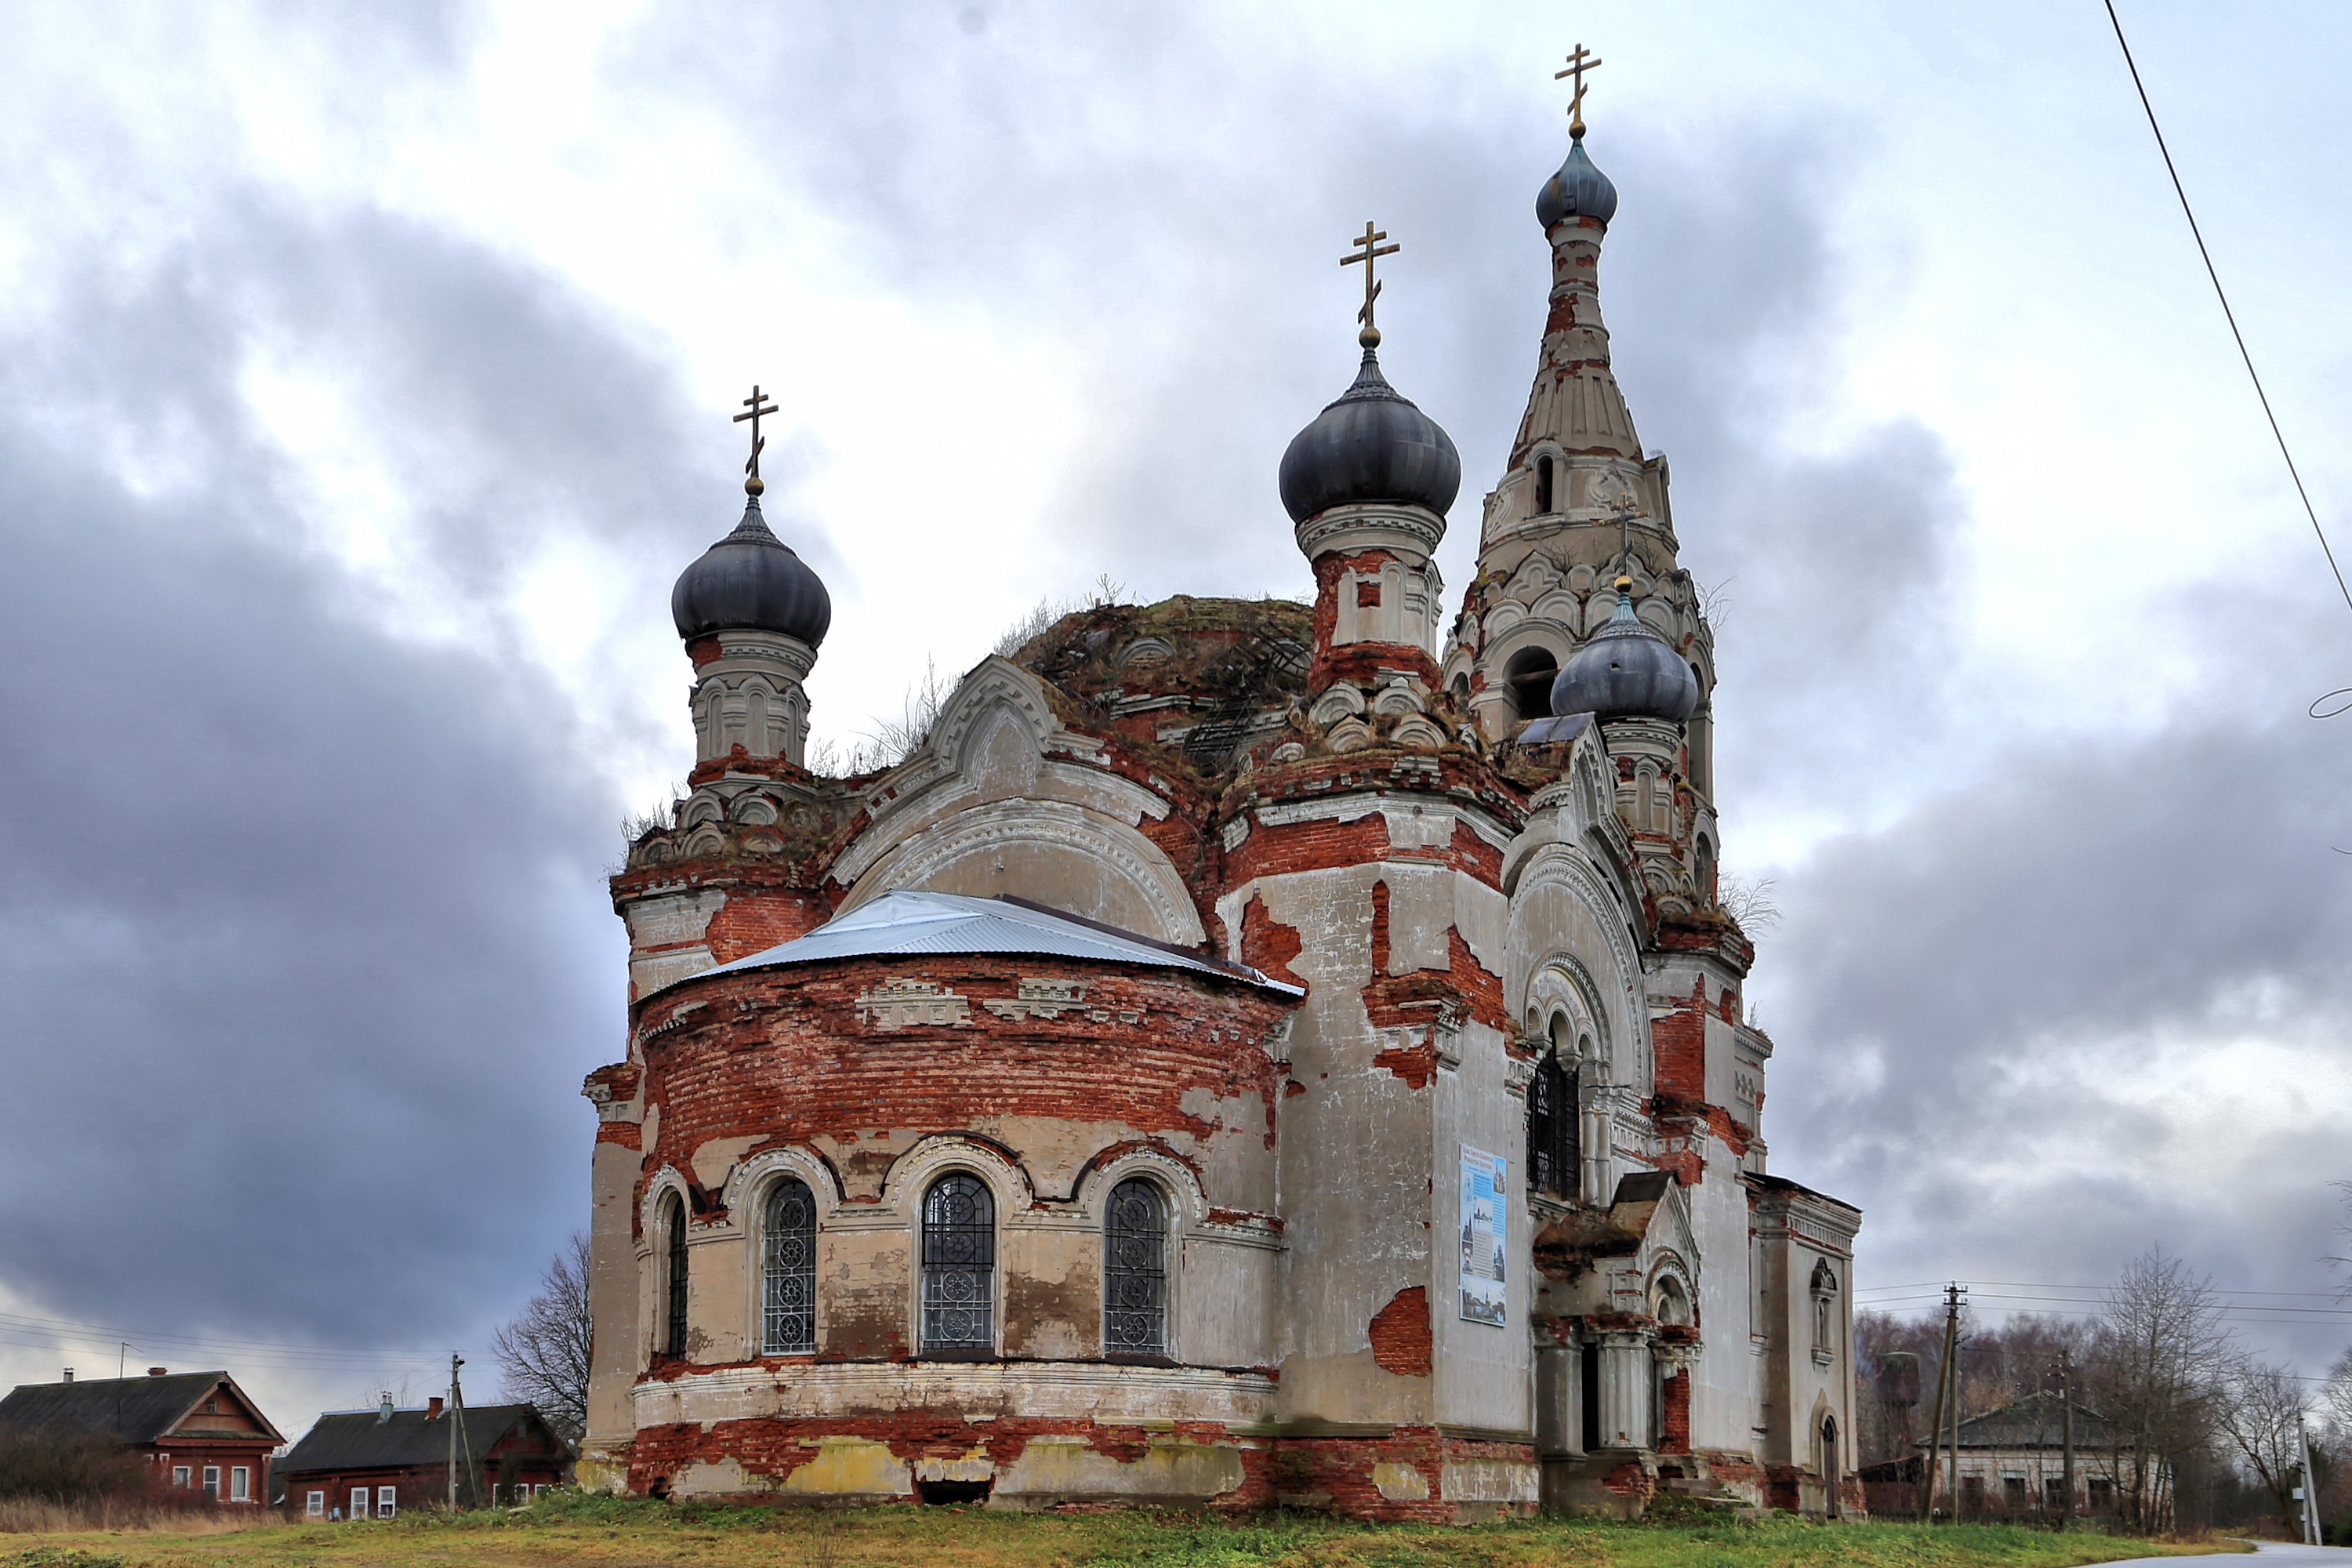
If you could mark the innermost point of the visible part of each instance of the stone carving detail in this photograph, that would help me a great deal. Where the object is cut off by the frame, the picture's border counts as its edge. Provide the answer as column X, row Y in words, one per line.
column 1052, row 998
column 906, row 1002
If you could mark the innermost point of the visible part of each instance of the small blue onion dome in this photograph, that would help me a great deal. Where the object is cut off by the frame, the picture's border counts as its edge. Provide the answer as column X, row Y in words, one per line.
column 1625, row 669
column 1579, row 190
column 750, row 580
column 1373, row 445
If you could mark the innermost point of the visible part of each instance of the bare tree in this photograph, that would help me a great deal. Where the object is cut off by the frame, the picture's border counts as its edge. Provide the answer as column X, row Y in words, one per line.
column 544, row 1351
column 2336, row 1395
column 2261, row 1413
column 2162, row 1349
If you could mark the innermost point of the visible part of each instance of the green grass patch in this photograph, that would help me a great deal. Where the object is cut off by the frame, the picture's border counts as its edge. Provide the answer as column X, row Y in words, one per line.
column 615, row 1532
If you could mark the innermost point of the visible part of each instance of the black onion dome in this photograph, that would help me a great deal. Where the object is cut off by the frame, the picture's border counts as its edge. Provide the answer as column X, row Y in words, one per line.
column 1625, row 669
column 750, row 580
column 1579, row 190
column 1373, row 445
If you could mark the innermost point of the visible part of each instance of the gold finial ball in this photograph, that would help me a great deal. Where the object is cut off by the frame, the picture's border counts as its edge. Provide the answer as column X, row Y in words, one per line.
column 1369, row 337
column 1624, row 584
column 752, row 486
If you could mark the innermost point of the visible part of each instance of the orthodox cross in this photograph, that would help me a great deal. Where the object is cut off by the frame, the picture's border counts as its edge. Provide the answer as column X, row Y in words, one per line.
column 757, row 406
column 1578, row 64
column 1367, row 249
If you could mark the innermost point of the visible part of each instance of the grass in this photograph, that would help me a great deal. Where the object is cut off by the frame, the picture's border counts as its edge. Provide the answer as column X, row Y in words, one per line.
column 606, row 1532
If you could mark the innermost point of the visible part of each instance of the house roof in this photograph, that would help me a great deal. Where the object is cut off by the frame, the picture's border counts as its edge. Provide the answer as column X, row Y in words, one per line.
column 909, row 923
column 136, row 1409
column 363, row 1439
column 2037, row 1422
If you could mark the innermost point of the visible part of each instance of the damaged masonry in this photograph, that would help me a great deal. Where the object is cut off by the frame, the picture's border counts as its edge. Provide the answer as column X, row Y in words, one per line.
column 1244, row 1054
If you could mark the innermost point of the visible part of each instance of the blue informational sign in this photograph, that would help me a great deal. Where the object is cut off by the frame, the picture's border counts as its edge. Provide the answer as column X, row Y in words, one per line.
column 1485, row 1231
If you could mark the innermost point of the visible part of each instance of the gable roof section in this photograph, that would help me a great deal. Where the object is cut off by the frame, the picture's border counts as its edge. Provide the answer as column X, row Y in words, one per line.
column 2038, row 1422
column 363, row 1440
column 136, row 1409
column 908, row 922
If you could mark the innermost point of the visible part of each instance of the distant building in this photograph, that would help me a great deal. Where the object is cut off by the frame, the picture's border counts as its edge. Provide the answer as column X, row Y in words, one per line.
column 197, row 1431
column 2013, row 1465
column 372, row 1464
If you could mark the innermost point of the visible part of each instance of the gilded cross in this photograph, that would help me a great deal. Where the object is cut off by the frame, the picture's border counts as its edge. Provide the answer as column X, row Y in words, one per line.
column 1578, row 64
column 1369, row 248
column 757, row 406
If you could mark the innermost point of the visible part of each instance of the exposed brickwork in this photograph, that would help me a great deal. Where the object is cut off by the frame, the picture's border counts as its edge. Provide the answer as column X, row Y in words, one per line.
column 754, row 920
column 1674, row 1414
column 1267, row 945
column 1401, row 1340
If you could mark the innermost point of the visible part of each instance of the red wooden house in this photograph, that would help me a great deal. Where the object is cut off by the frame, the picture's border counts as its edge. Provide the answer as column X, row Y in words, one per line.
column 197, row 1431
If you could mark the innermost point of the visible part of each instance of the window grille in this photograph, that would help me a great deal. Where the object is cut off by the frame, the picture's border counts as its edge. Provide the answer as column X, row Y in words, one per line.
column 674, row 1297
column 789, row 1270
column 959, row 1265
column 1135, row 1270
column 1553, row 1156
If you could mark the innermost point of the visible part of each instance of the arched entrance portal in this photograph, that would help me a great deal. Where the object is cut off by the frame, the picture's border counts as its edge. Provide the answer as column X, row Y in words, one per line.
column 1828, row 1465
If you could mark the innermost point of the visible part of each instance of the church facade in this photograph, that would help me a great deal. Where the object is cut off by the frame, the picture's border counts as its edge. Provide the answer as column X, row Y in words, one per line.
column 1247, row 1053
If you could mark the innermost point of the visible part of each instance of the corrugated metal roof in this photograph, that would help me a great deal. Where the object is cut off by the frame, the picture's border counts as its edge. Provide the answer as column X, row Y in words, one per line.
column 362, row 1439
column 907, row 923
column 136, row 1409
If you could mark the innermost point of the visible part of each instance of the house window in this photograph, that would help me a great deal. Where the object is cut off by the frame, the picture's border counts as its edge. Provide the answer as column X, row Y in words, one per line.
column 959, row 1265
column 2054, row 1492
column 180, row 1474
column 359, row 1502
column 315, row 1505
column 1553, row 1156
column 1135, row 1270
column 674, row 1289
column 2013, row 1494
column 1972, row 1494
column 387, row 1502
column 240, row 1484
column 2103, row 1494
column 212, row 1482
column 788, row 1292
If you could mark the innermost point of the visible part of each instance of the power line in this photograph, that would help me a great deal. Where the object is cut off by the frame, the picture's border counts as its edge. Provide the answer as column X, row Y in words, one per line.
column 2232, row 316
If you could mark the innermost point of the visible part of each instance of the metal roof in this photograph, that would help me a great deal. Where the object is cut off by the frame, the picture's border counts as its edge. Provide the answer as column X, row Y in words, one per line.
column 362, row 1439
column 134, row 1409
column 909, row 923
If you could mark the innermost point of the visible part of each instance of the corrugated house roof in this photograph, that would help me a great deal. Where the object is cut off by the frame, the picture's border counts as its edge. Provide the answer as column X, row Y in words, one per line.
column 909, row 923
column 2036, row 1422
column 136, row 1409
column 363, row 1439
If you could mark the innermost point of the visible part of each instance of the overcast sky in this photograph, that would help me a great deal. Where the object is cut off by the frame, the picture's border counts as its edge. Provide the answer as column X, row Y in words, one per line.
column 365, row 377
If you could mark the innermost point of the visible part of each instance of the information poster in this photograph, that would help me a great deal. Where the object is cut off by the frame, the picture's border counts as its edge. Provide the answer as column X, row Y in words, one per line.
column 1486, row 1231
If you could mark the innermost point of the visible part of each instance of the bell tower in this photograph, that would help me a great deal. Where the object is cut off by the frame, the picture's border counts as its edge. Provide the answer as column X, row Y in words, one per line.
column 1578, row 505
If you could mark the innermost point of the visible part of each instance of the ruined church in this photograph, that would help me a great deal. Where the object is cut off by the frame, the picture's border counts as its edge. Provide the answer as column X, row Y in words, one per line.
column 1247, row 1053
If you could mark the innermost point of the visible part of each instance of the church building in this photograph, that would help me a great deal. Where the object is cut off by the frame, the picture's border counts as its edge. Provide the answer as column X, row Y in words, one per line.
column 1249, row 1053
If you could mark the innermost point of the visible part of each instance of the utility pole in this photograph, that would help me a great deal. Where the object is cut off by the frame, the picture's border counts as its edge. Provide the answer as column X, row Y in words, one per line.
column 2310, row 1489
column 1946, row 1389
column 454, row 1363
column 2066, row 1418
column 462, row 1441
column 1952, row 1294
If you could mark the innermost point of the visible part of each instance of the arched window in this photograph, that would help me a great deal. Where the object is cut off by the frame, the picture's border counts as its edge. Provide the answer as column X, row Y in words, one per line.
column 1135, row 1270
column 1824, row 1302
column 1553, row 1157
column 788, row 1270
column 1703, row 872
column 1543, row 484
column 1530, row 676
column 673, row 1225
column 959, row 1265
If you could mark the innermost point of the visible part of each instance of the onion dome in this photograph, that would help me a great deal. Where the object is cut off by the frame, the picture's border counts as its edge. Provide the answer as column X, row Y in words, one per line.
column 1579, row 190
column 1625, row 669
column 1373, row 445
column 751, row 580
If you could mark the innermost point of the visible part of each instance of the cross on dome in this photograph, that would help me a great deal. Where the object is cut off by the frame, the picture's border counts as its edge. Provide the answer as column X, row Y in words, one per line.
column 757, row 406
column 1578, row 64
column 1369, row 248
